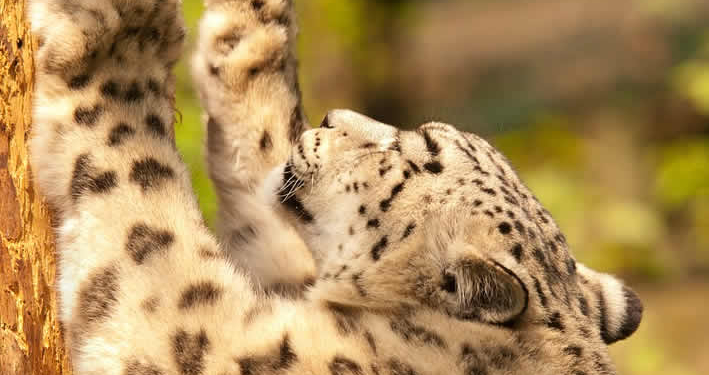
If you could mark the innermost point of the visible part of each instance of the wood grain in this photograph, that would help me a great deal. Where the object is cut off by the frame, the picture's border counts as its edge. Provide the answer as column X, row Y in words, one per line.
column 30, row 337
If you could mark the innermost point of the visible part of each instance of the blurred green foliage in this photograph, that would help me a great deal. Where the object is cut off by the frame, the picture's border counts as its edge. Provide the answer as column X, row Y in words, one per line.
column 189, row 131
column 683, row 172
column 606, row 117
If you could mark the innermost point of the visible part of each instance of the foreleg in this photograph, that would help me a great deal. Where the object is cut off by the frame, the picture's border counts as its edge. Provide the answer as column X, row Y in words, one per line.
column 246, row 73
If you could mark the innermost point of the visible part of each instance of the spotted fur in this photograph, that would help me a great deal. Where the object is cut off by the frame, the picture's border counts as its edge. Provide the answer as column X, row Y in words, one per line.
column 351, row 249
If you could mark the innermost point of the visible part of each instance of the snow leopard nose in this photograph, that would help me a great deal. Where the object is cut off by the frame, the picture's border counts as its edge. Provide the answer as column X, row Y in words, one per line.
column 326, row 122
column 358, row 126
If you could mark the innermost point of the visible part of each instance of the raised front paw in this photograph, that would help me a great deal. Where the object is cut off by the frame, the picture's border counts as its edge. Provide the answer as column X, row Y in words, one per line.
column 242, row 39
column 77, row 35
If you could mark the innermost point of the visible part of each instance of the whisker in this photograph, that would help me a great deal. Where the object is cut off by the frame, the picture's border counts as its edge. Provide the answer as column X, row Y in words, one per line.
column 292, row 188
column 286, row 184
column 292, row 192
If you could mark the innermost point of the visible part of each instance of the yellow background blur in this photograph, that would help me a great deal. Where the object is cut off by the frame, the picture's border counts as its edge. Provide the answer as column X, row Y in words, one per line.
column 601, row 105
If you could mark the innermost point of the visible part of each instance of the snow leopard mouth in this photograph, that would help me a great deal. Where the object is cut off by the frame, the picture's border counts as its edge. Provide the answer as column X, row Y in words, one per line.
column 286, row 194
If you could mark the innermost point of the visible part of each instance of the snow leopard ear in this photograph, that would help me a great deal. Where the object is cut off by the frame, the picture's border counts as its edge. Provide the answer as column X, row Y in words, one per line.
column 474, row 285
column 486, row 291
column 617, row 309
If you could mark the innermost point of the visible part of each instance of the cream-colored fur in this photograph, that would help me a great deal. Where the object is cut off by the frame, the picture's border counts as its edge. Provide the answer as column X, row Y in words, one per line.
column 245, row 71
column 364, row 250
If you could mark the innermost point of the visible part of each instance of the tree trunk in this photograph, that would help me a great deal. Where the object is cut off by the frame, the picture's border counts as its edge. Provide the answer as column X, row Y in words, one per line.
column 30, row 338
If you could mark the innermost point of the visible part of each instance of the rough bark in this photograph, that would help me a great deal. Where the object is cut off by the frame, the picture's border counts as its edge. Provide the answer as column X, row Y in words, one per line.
column 30, row 337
